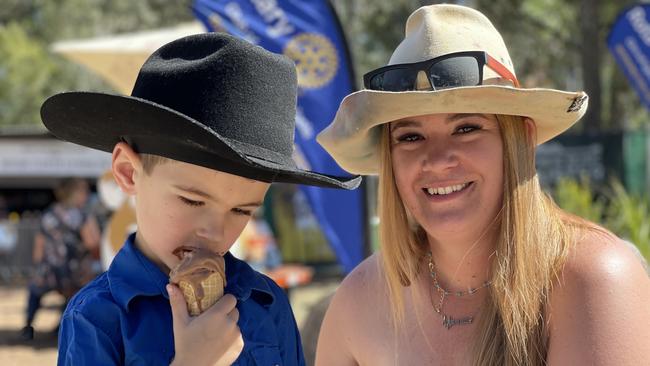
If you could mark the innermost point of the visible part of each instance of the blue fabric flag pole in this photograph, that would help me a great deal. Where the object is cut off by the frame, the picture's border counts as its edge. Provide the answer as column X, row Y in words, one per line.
column 308, row 32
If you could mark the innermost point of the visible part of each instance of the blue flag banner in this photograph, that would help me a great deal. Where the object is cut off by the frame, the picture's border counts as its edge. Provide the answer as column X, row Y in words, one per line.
column 629, row 42
column 308, row 32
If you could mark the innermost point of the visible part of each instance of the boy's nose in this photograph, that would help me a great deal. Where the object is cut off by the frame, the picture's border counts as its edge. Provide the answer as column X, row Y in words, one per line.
column 211, row 233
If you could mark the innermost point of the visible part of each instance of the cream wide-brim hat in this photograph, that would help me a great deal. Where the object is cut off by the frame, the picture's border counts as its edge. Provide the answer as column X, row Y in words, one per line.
column 432, row 31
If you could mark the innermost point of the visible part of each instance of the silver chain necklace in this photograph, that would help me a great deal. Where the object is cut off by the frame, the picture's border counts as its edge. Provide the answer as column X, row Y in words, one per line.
column 447, row 320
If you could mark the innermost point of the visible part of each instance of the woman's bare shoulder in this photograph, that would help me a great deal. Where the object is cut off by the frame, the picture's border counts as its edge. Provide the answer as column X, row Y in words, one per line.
column 351, row 315
column 601, row 295
column 362, row 297
column 361, row 286
column 366, row 276
column 599, row 258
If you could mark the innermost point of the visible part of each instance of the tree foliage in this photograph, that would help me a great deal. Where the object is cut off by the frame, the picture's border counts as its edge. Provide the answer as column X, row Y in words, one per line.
column 29, row 72
column 52, row 20
column 22, row 88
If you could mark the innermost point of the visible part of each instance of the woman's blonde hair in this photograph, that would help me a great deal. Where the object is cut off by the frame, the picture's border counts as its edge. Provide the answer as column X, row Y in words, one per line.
column 533, row 240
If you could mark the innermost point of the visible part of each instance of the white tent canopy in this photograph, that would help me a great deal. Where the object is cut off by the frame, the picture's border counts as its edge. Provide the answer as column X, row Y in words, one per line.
column 48, row 157
column 118, row 58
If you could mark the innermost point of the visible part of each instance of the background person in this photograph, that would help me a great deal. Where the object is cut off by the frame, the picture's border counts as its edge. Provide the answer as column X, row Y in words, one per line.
column 65, row 248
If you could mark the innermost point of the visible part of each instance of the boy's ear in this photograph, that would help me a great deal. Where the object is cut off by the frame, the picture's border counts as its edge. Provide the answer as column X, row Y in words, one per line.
column 126, row 166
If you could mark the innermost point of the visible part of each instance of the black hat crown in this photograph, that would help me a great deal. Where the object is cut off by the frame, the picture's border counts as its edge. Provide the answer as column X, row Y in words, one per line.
column 217, row 79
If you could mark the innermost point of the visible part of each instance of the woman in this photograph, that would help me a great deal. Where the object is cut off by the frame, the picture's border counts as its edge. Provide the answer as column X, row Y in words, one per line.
column 65, row 248
column 477, row 265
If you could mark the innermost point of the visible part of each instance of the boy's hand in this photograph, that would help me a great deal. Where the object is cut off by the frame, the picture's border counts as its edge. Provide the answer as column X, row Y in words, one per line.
column 211, row 338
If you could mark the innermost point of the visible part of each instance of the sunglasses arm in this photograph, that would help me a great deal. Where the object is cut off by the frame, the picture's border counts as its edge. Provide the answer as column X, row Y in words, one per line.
column 501, row 70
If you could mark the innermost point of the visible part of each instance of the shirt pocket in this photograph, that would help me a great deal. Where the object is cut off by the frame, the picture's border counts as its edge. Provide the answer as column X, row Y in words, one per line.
column 266, row 356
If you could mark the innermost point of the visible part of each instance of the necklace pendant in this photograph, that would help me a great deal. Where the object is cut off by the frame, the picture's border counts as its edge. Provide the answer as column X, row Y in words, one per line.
column 449, row 321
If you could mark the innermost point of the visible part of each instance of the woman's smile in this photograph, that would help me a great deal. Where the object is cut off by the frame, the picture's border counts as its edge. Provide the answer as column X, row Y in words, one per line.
column 447, row 193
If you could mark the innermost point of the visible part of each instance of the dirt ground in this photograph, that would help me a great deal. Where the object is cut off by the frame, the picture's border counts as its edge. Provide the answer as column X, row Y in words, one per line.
column 42, row 350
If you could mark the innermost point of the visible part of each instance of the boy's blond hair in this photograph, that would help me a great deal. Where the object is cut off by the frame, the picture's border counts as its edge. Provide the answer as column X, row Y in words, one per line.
column 150, row 161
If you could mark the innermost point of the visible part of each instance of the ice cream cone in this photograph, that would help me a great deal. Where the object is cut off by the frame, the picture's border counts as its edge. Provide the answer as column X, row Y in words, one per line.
column 201, row 277
column 211, row 289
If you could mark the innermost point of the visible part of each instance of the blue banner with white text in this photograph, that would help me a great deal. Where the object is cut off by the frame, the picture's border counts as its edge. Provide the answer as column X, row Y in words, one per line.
column 629, row 43
column 308, row 32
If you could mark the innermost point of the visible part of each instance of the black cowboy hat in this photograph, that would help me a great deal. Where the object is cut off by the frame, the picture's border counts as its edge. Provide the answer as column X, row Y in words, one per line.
column 209, row 99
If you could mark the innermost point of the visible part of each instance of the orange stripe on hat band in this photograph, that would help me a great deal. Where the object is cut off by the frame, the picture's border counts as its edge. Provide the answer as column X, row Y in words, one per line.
column 501, row 69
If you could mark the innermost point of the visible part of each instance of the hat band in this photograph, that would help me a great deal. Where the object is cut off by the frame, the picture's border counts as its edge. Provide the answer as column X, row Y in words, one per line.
column 260, row 152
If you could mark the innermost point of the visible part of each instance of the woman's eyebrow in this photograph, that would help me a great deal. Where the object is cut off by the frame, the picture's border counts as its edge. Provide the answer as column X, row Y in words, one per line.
column 456, row 116
column 400, row 124
column 251, row 204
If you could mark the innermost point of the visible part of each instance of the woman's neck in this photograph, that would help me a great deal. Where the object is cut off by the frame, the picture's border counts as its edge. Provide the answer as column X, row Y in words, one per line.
column 462, row 261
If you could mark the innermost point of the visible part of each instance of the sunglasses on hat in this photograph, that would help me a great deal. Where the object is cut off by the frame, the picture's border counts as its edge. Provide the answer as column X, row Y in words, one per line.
column 447, row 71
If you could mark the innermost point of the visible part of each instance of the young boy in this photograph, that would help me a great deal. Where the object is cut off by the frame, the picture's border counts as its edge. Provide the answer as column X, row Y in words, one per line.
column 208, row 127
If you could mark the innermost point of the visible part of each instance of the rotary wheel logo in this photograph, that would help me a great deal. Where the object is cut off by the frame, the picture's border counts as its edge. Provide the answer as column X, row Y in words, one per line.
column 315, row 58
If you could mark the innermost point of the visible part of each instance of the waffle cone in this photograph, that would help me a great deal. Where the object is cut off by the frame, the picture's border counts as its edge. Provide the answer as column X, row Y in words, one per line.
column 201, row 276
column 212, row 291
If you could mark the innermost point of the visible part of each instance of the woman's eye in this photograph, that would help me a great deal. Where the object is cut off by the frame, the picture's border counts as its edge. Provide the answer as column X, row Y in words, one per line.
column 409, row 137
column 190, row 202
column 467, row 129
column 240, row 211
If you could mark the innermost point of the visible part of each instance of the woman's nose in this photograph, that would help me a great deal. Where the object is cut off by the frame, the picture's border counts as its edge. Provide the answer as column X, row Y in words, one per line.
column 439, row 155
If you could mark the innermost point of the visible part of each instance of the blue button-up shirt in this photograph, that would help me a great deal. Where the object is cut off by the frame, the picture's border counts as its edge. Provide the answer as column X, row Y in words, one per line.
column 123, row 317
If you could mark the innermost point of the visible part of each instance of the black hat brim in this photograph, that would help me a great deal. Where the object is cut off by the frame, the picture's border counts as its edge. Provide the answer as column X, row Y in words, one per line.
column 100, row 121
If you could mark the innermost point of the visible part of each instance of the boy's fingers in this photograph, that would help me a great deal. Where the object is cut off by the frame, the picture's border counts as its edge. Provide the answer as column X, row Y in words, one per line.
column 234, row 315
column 224, row 305
column 179, row 308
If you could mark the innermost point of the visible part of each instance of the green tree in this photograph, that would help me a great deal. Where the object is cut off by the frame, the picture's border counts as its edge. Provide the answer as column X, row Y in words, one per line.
column 629, row 217
column 29, row 72
column 26, row 76
column 577, row 197
column 53, row 20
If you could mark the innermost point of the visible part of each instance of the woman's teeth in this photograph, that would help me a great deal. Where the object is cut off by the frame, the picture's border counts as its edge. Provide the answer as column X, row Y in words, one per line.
column 445, row 190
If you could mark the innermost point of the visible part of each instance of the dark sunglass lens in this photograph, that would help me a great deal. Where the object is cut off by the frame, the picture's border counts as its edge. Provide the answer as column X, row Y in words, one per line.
column 394, row 80
column 454, row 72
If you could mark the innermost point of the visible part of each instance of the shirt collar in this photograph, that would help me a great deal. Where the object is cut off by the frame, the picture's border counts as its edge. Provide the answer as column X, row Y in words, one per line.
column 131, row 274
column 243, row 282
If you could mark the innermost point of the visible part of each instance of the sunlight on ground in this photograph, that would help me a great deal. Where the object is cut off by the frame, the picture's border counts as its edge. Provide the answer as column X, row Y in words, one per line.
column 41, row 350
